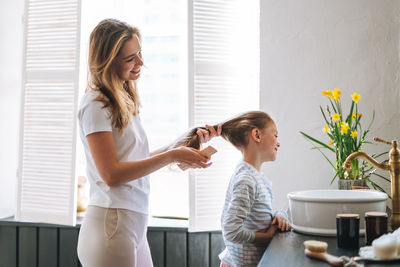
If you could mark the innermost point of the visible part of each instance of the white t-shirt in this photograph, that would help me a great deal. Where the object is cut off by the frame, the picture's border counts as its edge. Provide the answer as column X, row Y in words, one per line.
column 131, row 145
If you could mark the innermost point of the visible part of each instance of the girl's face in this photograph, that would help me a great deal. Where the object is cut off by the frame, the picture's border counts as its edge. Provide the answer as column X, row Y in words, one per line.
column 269, row 142
column 129, row 61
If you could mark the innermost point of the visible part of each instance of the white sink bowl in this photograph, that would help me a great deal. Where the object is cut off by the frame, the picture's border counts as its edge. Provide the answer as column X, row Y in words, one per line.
column 314, row 212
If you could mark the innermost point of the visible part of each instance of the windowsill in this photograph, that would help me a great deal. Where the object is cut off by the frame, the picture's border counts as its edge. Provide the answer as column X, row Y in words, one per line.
column 155, row 224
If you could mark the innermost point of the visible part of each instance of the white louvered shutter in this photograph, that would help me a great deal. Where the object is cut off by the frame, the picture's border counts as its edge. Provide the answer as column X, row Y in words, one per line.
column 46, row 176
column 223, row 81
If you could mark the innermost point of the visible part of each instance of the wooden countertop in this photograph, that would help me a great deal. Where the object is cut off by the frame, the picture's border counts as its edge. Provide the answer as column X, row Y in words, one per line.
column 287, row 249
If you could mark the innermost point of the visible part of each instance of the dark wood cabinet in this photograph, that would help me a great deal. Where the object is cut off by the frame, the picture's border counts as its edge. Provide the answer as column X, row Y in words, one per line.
column 25, row 244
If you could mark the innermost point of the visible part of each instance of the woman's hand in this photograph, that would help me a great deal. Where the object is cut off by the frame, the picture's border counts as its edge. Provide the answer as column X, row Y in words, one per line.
column 207, row 135
column 189, row 156
column 282, row 222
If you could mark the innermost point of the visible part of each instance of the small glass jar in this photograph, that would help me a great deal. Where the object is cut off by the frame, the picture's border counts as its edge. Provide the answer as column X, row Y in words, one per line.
column 376, row 224
column 348, row 230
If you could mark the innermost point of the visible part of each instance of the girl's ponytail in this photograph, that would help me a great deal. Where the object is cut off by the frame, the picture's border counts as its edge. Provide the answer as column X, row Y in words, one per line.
column 234, row 130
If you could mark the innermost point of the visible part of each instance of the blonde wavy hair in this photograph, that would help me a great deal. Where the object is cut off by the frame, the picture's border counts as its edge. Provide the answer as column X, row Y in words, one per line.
column 106, row 42
column 234, row 130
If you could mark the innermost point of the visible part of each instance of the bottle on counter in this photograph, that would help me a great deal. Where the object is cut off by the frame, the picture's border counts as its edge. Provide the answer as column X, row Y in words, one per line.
column 348, row 230
column 376, row 225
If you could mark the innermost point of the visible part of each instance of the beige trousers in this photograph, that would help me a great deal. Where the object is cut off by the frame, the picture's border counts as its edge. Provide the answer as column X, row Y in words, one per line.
column 113, row 237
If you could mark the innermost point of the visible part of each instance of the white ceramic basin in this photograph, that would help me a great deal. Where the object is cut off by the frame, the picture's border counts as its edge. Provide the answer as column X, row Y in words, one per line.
column 314, row 212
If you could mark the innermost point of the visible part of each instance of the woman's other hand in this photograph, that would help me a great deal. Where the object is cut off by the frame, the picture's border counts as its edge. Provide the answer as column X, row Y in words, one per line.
column 189, row 156
column 207, row 135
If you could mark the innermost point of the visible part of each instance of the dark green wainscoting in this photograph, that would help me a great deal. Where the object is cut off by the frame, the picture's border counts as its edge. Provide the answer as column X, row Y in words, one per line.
column 24, row 244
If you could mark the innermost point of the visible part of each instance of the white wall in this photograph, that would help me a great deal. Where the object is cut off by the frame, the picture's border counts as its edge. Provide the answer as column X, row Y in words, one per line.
column 307, row 47
column 11, row 32
column 310, row 46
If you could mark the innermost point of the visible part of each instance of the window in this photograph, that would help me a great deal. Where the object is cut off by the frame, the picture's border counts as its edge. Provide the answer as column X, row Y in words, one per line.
column 224, row 81
column 201, row 66
column 46, row 175
column 162, row 87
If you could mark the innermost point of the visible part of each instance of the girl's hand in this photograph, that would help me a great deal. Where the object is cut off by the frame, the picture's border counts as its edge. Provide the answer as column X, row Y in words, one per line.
column 265, row 235
column 189, row 156
column 282, row 222
column 271, row 230
column 207, row 135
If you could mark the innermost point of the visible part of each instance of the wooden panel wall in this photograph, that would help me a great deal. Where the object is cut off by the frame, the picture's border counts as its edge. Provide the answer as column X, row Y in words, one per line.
column 31, row 246
column 8, row 246
column 37, row 245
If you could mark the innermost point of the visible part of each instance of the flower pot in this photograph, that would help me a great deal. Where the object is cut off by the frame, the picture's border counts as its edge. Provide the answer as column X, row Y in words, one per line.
column 345, row 184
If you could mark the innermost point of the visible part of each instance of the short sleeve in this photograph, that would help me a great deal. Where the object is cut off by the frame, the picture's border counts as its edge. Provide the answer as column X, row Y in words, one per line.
column 94, row 118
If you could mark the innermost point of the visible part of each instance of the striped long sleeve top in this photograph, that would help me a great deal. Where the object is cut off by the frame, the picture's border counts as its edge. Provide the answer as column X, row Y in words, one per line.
column 247, row 209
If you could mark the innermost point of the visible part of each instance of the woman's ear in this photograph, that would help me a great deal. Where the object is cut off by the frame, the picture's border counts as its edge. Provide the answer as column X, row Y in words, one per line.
column 255, row 135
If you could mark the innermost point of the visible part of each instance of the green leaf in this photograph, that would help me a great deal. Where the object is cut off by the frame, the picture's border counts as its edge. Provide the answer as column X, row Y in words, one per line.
column 333, row 179
column 323, row 114
column 375, row 186
column 317, row 147
column 317, row 141
column 372, row 120
column 333, row 106
column 339, row 107
column 323, row 154
column 349, row 117
column 381, row 154
column 380, row 176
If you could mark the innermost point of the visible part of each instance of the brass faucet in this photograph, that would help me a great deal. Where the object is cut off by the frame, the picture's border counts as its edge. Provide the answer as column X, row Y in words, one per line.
column 394, row 169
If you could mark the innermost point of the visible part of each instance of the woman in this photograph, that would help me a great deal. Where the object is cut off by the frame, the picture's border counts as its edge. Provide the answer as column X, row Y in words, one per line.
column 113, row 232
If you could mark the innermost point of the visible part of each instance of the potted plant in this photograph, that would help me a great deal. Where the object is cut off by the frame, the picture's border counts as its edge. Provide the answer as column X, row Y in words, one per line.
column 346, row 136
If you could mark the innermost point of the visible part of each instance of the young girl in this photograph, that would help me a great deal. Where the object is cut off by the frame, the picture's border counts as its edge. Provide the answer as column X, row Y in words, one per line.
column 113, row 232
column 248, row 221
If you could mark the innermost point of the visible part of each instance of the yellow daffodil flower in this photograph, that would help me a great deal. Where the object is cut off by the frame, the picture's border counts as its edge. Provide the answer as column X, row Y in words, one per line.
column 354, row 115
column 336, row 94
column 340, row 127
column 355, row 97
column 335, row 117
column 328, row 93
column 344, row 127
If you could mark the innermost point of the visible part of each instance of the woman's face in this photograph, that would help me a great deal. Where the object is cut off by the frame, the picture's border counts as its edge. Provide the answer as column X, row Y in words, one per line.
column 129, row 61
